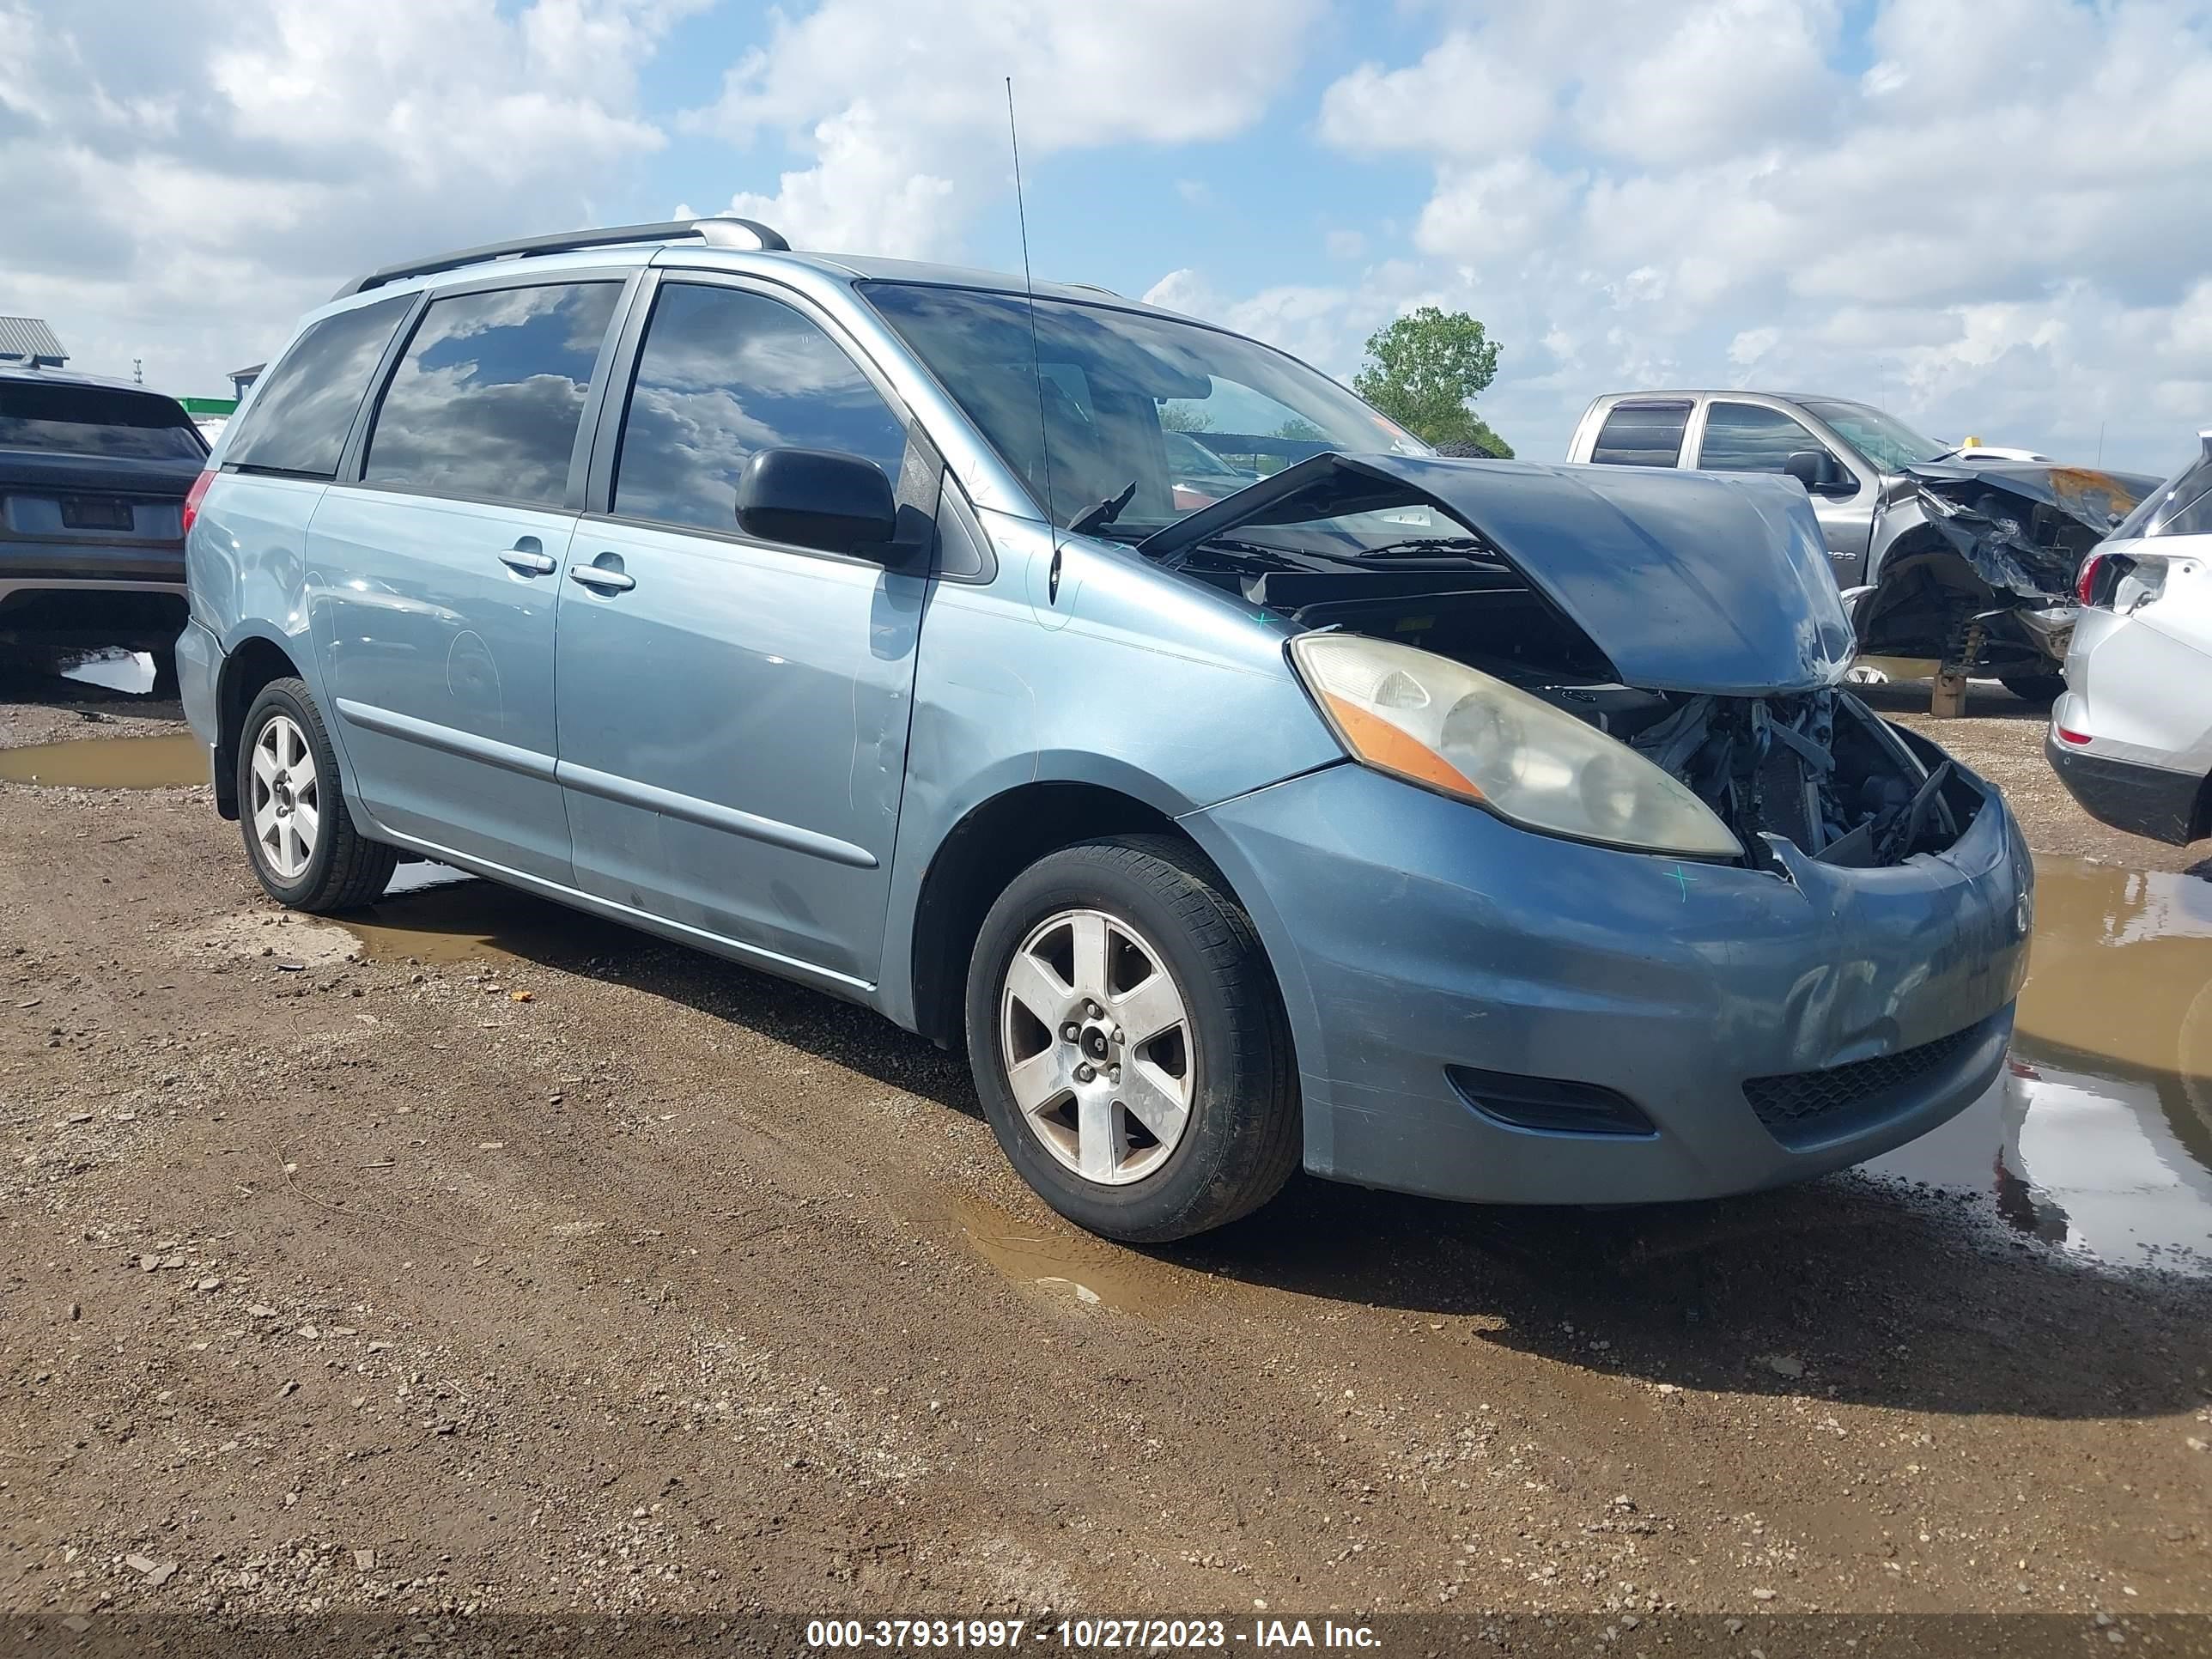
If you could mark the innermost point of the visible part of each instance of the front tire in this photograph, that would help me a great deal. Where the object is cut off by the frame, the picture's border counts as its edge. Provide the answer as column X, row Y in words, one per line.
column 300, row 836
column 1129, row 1044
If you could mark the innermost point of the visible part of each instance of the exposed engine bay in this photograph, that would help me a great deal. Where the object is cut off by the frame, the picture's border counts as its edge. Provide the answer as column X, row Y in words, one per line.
column 1807, row 762
column 1818, row 769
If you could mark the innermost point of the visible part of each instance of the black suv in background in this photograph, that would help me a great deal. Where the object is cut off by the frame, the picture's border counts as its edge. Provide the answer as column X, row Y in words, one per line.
column 93, row 475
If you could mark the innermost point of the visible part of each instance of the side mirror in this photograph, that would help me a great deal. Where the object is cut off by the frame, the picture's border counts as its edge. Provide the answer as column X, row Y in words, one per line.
column 1817, row 469
column 820, row 498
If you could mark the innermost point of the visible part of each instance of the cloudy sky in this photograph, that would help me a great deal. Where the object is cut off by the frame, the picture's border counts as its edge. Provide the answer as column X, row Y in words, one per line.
column 1991, row 215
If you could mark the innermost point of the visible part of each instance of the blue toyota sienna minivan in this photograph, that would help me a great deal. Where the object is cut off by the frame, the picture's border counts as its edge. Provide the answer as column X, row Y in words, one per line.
column 1478, row 829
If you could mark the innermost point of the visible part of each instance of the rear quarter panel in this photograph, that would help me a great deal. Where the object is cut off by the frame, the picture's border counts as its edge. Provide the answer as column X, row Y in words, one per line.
column 245, row 568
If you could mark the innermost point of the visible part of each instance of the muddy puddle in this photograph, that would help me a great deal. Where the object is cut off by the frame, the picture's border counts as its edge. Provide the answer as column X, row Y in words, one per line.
column 2099, row 1136
column 433, row 912
column 160, row 763
column 1053, row 1259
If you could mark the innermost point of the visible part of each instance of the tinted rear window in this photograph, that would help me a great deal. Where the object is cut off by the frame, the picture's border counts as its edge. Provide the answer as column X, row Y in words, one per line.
column 487, row 400
column 304, row 407
column 93, row 420
column 1642, row 434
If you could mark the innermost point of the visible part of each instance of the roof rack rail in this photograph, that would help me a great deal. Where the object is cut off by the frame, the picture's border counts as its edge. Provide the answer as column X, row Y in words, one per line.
column 715, row 231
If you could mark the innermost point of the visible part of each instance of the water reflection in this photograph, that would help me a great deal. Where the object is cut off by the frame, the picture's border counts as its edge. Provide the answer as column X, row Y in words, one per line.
column 2099, row 1137
column 118, row 671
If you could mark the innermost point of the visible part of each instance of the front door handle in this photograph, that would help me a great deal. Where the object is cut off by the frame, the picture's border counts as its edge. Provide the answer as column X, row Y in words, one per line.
column 606, row 578
column 527, row 558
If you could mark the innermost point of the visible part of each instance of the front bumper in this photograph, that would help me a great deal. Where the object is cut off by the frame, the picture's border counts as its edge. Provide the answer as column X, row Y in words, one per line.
column 2142, row 799
column 1412, row 933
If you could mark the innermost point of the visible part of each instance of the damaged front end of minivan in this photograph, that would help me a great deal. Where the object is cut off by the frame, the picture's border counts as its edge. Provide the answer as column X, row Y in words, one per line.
column 1688, row 617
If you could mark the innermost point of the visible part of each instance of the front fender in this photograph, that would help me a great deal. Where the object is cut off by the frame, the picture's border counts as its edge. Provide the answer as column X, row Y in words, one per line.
column 1126, row 679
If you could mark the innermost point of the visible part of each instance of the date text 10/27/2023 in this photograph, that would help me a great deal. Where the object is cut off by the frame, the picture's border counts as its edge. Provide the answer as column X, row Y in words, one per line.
column 1086, row 1635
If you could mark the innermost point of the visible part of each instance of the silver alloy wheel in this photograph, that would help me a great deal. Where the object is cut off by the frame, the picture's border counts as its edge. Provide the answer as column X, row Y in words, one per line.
column 286, row 807
column 1098, row 1046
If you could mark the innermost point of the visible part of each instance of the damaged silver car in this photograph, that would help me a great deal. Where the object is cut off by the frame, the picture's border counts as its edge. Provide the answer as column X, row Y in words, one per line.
column 1961, row 555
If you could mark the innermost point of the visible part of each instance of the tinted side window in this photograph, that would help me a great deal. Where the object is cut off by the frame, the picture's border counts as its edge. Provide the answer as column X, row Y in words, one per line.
column 2193, row 520
column 1746, row 438
column 1642, row 434
column 2182, row 505
column 723, row 374
column 487, row 397
column 304, row 407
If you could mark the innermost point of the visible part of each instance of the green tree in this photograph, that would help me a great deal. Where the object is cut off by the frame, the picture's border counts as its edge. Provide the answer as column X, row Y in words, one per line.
column 1425, row 368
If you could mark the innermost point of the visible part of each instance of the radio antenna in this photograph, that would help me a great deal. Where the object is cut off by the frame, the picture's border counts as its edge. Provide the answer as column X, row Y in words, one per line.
column 1037, row 357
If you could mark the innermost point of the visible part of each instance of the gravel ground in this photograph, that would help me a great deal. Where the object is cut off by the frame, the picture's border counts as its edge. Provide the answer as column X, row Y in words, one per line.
column 574, row 1272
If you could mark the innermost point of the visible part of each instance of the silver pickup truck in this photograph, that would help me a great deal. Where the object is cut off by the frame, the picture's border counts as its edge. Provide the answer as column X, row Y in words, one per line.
column 1941, row 552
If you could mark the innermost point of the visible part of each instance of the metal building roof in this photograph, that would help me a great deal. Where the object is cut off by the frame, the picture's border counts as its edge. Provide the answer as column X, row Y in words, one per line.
column 30, row 339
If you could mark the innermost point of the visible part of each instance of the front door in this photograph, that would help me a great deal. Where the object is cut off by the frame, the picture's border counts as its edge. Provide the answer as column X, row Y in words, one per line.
column 733, row 713
column 1755, row 438
column 433, row 576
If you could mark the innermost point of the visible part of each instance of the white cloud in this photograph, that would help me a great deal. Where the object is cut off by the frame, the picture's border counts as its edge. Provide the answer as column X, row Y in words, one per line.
column 1725, row 76
column 1467, row 97
column 903, row 111
column 2001, row 225
column 1489, row 215
column 183, row 180
column 1748, row 347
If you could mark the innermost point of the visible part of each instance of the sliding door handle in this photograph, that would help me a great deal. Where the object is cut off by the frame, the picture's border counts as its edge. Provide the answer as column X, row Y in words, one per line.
column 528, row 562
column 605, row 579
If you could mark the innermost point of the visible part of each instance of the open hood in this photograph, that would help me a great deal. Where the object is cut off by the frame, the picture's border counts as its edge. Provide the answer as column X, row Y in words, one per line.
column 1687, row 581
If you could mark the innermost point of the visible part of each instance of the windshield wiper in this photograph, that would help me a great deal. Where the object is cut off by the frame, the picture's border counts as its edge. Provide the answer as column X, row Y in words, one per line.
column 1092, row 519
column 1426, row 544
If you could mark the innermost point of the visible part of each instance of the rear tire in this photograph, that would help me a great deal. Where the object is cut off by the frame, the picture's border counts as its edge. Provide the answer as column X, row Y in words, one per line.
column 2041, row 687
column 1188, row 1116
column 300, row 835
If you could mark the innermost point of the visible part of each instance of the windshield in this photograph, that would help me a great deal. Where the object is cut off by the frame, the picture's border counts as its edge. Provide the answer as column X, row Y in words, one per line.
column 1177, row 414
column 1883, row 438
column 90, row 420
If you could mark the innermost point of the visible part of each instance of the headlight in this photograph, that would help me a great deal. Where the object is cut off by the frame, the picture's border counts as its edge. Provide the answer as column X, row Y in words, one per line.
column 1442, row 723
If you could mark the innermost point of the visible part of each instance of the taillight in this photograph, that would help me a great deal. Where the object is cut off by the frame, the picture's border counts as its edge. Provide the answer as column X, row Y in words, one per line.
column 2065, row 736
column 192, row 498
column 2085, row 585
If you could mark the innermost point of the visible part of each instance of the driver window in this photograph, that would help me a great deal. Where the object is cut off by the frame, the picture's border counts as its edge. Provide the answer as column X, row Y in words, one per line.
column 1749, row 438
column 724, row 373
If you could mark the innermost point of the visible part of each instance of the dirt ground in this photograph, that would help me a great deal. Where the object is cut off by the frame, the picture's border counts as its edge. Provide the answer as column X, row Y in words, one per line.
column 510, row 1262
